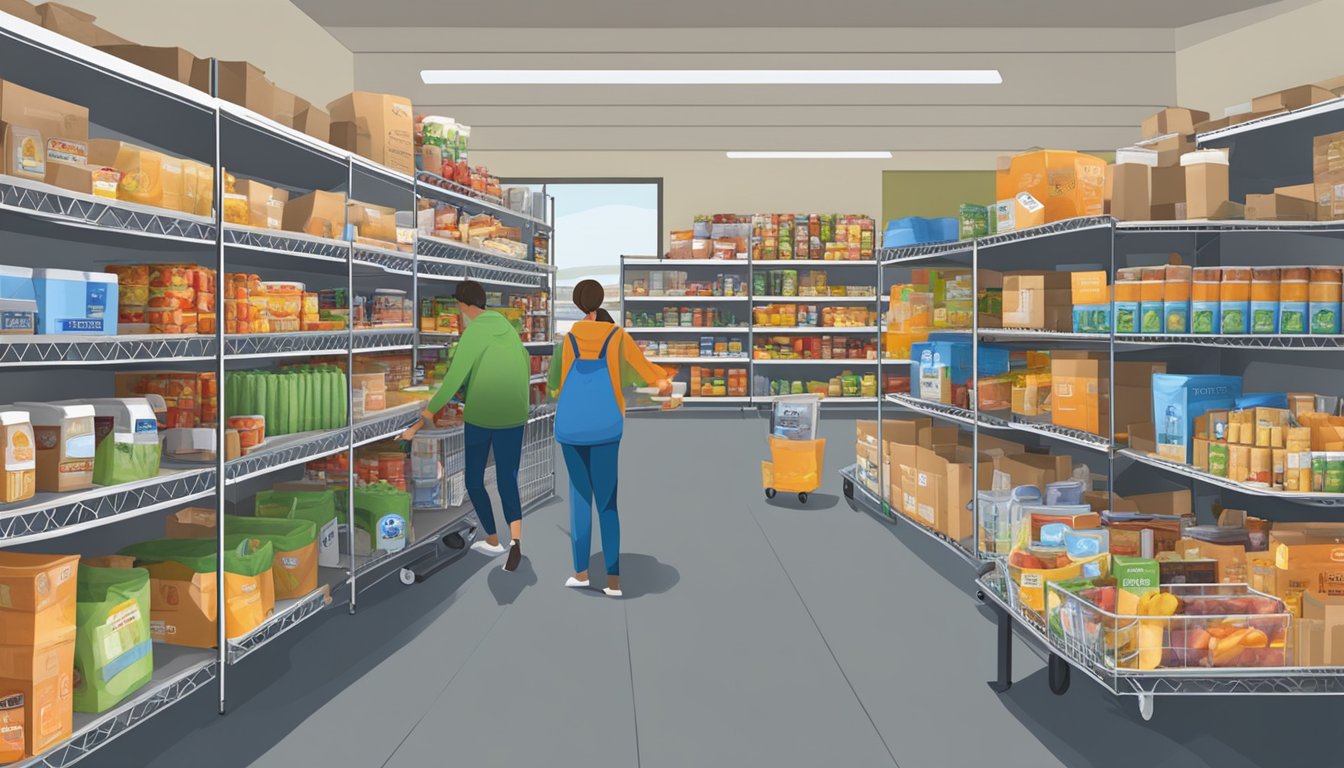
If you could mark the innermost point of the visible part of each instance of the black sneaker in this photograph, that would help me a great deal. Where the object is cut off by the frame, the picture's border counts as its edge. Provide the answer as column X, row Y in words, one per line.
column 515, row 556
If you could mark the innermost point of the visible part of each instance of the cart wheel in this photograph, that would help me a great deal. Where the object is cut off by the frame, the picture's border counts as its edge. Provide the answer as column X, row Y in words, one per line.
column 1146, row 706
column 849, row 488
column 980, row 595
column 1059, row 675
column 802, row 497
column 769, row 493
column 407, row 576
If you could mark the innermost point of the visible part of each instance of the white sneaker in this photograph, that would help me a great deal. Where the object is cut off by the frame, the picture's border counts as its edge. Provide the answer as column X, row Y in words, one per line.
column 612, row 592
column 486, row 548
column 573, row 582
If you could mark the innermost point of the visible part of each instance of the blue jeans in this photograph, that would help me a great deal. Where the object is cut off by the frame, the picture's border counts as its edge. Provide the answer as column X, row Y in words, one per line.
column 508, row 447
column 592, row 478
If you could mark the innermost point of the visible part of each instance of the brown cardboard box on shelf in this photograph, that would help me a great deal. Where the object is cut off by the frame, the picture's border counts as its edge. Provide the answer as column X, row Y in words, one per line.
column 1038, row 300
column 76, row 178
column 38, row 132
column 76, row 25
column 284, row 106
column 311, row 120
column 246, row 85
column 944, row 494
column 1335, row 85
column 22, row 9
column 175, row 63
column 318, row 213
column 1162, row 502
column 1131, row 197
column 893, row 430
column 371, row 221
column 1329, row 611
column 37, row 641
column 1134, row 392
column 1295, row 203
column 1206, row 184
column 1034, row 468
column 1172, row 120
column 1170, row 148
column 1231, row 558
column 1327, row 165
column 1167, row 185
column 378, row 126
column 1079, row 391
column 265, row 204
column 146, row 166
column 1291, row 98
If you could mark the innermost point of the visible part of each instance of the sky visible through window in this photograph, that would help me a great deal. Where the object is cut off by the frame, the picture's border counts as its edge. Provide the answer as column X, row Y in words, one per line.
column 595, row 224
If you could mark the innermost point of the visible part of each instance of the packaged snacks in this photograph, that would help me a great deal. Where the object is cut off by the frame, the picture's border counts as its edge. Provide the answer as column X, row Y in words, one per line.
column 142, row 178
column 313, row 504
column 70, row 302
column 19, row 458
column 113, row 650
column 65, row 445
column 126, row 435
column 1234, row 300
column 1294, row 300
column 251, row 431
column 1265, row 300
column 384, row 513
column 1204, row 301
column 40, row 132
column 294, row 541
column 1324, row 293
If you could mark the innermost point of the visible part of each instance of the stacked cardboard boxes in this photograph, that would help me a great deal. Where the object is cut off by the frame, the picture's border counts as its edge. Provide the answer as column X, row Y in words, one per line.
column 37, row 641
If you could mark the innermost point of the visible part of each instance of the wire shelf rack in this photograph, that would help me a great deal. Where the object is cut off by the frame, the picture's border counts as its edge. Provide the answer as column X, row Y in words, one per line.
column 1193, row 473
column 49, row 514
column 79, row 210
column 269, row 345
column 382, row 425
column 1323, row 342
column 285, row 451
column 911, row 253
column 389, row 260
column 280, row 622
column 1076, row 436
column 950, row 412
column 864, row 498
column 287, row 243
column 1035, row 335
column 21, row 351
column 384, row 339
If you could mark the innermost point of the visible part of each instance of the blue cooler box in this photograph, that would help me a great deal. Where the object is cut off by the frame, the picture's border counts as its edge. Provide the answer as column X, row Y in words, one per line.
column 70, row 302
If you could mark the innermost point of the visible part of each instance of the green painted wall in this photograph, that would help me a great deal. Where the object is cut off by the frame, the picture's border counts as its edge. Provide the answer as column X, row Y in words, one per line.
column 933, row 193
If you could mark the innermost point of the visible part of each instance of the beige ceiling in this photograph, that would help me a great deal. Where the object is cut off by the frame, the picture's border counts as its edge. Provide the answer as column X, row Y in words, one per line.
column 771, row 13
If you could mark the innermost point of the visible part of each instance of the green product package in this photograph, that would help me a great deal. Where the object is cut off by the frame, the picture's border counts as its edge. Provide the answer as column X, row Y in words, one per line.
column 1218, row 459
column 319, row 507
column 294, row 542
column 383, row 512
column 113, row 650
column 198, row 555
column 973, row 221
column 128, row 454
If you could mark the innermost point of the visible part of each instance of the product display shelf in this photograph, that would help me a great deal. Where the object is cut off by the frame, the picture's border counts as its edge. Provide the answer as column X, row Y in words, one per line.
column 1030, row 335
column 739, row 399
column 253, row 346
column 825, row 401
column 387, row 259
column 1194, row 473
column 381, row 425
column 21, row 351
column 436, row 524
column 48, row 515
column 447, row 251
column 683, row 299
column 283, row 451
column 864, row 498
column 774, row 330
column 939, row 410
column 841, row 362
column 294, row 139
column 1321, row 109
column 1051, row 230
column 740, row 360
column 767, row 264
column 178, row 672
column 915, row 253
column 400, row 339
column 278, row 242
column 638, row 262
column 1322, row 342
column 455, row 193
column 287, row 615
column 1230, row 226
column 1077, row 437
column 710, row 330
column 815, row 299
column 436, row 340
column 74, row 209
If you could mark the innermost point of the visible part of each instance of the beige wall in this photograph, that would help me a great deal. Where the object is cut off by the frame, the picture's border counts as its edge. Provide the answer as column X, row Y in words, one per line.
column 1218, row 67
column 296, row 52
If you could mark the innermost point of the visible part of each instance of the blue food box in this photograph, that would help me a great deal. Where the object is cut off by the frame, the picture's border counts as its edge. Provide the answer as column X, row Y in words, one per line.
column 1178, row 399
column 1293, row 317
column 16, row 283
column 1264, row 317
column 18, row 316
column 1150, row 316
column 70, row 302
column 1204, row 317
column 1092, row 318
column 1233, row 317
column 1176, row 316
column 1126, row 317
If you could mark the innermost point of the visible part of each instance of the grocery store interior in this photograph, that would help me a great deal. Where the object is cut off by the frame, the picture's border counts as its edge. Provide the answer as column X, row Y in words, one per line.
column 303, row 302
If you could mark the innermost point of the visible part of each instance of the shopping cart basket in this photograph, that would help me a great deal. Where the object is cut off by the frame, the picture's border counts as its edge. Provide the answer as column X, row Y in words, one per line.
column 796, row 455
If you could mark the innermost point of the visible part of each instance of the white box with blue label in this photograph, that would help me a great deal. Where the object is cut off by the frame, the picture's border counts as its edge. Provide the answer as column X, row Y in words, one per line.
column 1179, row 399
column 70, row 302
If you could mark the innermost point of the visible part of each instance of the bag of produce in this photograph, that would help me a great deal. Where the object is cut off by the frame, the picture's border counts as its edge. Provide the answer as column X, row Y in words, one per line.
column 294, row 541
column 183, row 609
column 316, row 506
column 384, row 513
column 113, row 651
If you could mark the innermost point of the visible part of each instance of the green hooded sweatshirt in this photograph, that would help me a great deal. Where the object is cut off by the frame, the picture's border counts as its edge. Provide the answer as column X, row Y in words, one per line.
column 493, row 363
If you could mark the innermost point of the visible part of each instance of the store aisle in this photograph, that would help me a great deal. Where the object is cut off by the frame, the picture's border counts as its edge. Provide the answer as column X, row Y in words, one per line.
column 751, row 633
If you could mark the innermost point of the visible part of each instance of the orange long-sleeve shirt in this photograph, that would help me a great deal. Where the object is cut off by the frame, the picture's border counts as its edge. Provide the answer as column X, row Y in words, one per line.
column 590, row 335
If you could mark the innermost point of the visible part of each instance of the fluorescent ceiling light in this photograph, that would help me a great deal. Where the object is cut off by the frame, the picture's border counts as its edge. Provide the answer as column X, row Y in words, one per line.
column 809, row 155
column 711, row 77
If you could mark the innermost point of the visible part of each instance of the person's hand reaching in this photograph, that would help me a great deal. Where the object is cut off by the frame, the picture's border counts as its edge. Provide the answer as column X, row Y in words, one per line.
column 409, row 434
column 664, row 387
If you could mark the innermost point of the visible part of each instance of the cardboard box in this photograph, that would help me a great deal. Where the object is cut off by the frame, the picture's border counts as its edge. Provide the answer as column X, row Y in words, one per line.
column 904, row 431
column 1127, row 536
column 37, row 132
column 943, row 495
column 1134, row 392
column 1229, row 559
column 175, row 63
column 378, row 126
column 1170, row 149
column 1190, row 571
column 246, row 85
column 1329, row 612
column 1080, row 393
column 1168, row 185
column 311, row 120
column 76, row 178
column 37, row 633
column 371, row 221
column 1034, row 468
column 1178, row 400
column 21, row 9
column 1206, row 184
column 76, row 25
column 1291, row 98
column 265, row 204
column 145, row 165
column 1172, row 120
column 1296, row 203
column 1066, row 183
column 318, row 213
column 1037, row 300
column 1131, row 195
column 1327, row 164
column 1090, row 287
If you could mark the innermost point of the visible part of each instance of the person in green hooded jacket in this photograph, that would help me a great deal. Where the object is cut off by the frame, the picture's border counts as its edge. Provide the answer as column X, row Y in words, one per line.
column 491, row 361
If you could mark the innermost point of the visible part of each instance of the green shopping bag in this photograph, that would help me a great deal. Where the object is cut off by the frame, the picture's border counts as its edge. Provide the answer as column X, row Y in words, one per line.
column 384, row 512
column 294, row 542
column 318, row 507
column 113, row 649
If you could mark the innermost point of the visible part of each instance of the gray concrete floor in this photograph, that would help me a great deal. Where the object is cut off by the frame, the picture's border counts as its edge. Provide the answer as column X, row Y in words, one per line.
column 751, row 633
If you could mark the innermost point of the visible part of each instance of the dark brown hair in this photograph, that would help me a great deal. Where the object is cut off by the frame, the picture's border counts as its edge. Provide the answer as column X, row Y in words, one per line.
column 470, row 292
column 603, row 316
column 588, row 295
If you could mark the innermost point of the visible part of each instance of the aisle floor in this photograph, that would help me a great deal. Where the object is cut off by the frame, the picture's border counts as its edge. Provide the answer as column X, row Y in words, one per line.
column 751, row 633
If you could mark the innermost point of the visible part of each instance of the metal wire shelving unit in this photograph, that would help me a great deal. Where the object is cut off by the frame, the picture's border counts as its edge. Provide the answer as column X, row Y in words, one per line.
column 133, row 102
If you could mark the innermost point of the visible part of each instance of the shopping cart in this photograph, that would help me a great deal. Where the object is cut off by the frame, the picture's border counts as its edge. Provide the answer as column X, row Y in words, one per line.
column 796, row 454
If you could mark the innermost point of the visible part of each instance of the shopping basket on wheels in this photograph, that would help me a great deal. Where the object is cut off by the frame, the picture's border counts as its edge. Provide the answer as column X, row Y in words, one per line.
column 796, row 454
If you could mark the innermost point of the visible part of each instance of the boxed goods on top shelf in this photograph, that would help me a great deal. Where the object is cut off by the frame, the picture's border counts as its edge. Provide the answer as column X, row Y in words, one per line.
column 793, row 347
column 809, row 283
column 684, row 317
column 813, row 316
column 442, row 148
column 723, row 236
column 784, row 236
column 674, row 284
column 378, row 126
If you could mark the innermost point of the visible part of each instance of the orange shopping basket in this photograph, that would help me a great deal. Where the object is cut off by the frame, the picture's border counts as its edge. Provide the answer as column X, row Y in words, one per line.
column 794, row 467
